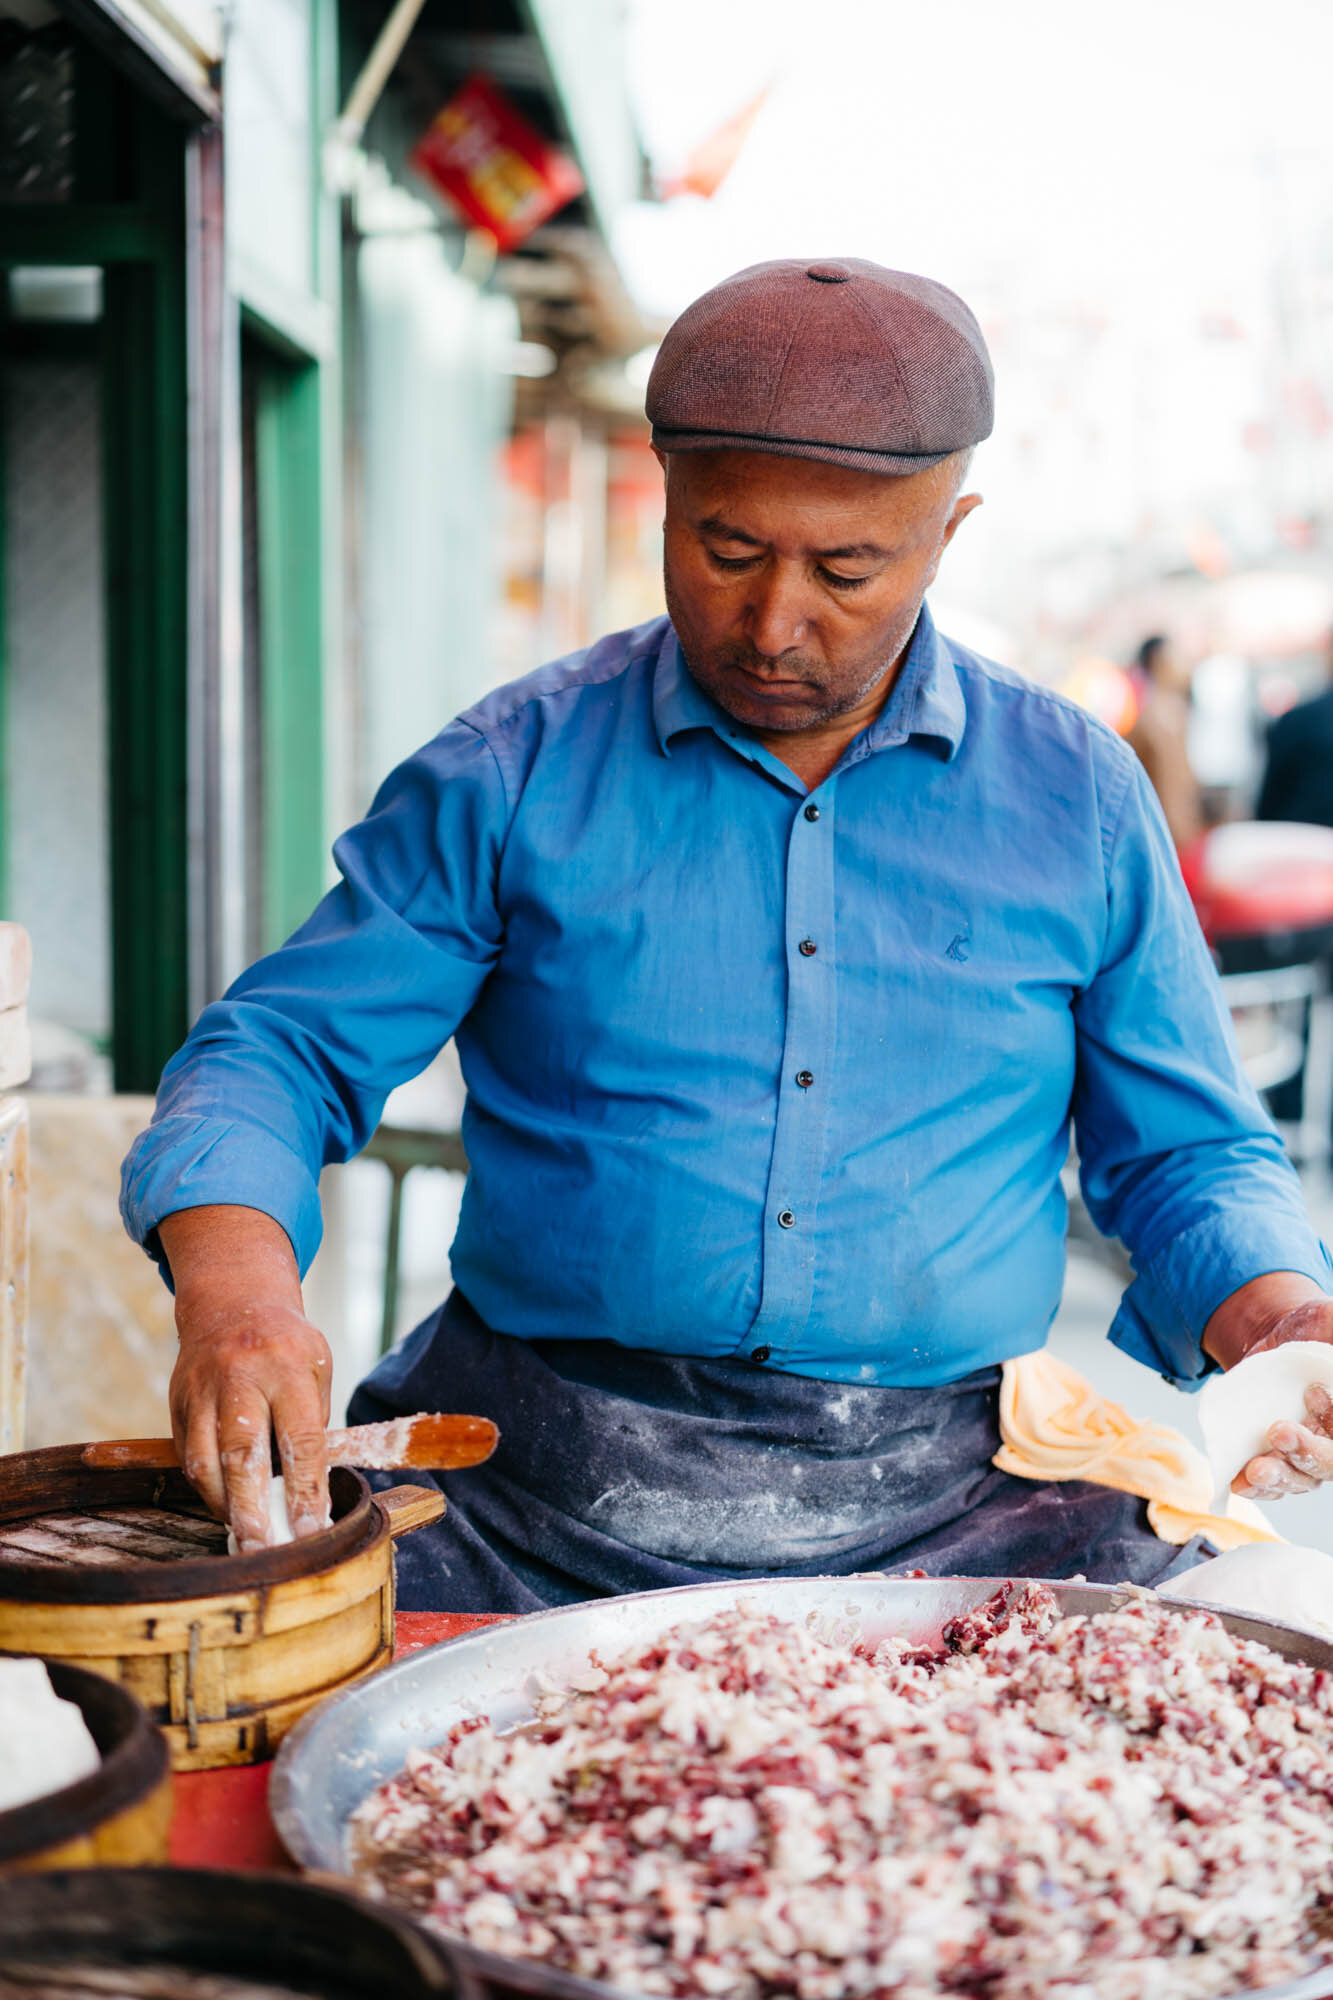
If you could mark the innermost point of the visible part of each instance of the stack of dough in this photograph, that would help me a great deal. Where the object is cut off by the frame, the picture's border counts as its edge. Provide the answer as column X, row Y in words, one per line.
column 45, row 1743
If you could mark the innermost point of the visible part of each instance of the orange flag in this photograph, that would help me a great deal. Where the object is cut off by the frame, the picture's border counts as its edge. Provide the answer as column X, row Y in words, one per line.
column 714, row 157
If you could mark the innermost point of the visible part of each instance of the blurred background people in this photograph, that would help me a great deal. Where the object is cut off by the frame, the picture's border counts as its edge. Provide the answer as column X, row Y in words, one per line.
column 1298, row 777
column 1160, row 736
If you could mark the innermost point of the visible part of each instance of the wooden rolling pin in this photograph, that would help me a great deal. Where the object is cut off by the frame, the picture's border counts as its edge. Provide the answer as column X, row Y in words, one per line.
column 430, row 1443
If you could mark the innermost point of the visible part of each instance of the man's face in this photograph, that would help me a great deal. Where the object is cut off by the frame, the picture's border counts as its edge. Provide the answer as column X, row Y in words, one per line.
column 794, row 586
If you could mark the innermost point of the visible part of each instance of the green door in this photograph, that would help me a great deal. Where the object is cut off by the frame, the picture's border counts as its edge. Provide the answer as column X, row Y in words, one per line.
column 112, row 221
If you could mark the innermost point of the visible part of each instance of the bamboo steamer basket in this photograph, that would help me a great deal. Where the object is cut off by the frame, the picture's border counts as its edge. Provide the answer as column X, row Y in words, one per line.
column 126, row 1574
column 119, row 1814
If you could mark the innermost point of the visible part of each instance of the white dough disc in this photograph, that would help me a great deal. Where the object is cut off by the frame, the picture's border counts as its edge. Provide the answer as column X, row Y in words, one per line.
column 1274, row 1580
column 1237, row 1409
column 279, row 1525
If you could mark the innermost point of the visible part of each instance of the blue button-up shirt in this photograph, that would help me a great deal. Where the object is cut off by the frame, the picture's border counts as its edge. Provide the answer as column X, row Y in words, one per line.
column 751, row 1067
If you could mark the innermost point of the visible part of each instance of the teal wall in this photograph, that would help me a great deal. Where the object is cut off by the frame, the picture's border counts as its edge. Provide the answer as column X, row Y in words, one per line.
column 434, row 412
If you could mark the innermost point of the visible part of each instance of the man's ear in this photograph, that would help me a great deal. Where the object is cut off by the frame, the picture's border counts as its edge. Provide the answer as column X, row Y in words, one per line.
column 962, row 507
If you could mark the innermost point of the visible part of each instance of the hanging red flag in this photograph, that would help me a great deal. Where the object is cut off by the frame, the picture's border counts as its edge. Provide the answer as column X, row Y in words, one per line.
column 498, row 170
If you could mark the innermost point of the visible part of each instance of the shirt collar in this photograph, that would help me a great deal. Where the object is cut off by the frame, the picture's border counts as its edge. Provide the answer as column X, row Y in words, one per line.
column 679, row 703
column 927, row 699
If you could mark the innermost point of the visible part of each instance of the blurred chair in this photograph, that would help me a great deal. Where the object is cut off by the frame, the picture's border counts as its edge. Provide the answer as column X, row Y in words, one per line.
column 401, row 1148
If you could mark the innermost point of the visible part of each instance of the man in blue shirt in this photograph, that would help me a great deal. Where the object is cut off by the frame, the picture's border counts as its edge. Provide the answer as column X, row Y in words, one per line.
column 781, row 940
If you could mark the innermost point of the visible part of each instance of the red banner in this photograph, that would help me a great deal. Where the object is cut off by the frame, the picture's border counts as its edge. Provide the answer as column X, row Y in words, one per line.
column 498, row 171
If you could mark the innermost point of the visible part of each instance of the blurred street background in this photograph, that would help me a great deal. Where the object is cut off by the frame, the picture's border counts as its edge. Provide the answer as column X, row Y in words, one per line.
column 324, row 329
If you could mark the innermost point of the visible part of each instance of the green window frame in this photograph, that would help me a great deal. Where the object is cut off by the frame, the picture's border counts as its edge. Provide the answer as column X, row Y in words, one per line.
column 288, row 421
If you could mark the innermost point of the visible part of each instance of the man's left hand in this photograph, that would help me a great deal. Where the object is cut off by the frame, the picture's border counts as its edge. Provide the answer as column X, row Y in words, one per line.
column 1270, row 1312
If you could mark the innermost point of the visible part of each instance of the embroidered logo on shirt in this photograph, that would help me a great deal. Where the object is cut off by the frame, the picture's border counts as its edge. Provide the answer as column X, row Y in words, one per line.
column 958, row 949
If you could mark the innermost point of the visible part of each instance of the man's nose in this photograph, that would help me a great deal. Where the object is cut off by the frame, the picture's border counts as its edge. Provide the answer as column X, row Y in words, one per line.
column 778, row 611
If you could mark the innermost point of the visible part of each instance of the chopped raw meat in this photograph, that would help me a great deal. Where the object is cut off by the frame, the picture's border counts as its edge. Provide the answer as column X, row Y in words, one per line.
column 1132, row 1806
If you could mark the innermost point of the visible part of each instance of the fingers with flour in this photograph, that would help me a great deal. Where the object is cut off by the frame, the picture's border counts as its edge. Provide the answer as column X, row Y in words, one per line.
column 1270, row 1477
column 300, row 1424
column 194, row 1428
column 1298, row 1457
column 245, row 1452
column 251, row 1370
column 1319, row 1409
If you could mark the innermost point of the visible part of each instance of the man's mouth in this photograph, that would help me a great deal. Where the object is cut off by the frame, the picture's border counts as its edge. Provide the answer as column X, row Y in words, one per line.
column 771, row 684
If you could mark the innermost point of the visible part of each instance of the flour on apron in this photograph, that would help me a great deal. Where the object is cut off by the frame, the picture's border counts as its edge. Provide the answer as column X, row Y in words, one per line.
column 619, row 1470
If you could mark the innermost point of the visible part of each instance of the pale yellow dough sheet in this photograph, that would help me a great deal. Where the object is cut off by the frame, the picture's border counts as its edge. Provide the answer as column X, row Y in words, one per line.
column 1055, row 1425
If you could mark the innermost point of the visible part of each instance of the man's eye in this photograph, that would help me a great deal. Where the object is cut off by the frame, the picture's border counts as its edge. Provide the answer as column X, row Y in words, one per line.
column 731, row 562
column 844, row 582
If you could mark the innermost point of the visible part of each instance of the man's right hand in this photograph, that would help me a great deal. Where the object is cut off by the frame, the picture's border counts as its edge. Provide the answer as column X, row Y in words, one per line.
column 251, row 1369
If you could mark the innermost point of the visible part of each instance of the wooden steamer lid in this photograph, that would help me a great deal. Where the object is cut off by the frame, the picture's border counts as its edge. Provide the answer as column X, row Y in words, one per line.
column 125, row 1572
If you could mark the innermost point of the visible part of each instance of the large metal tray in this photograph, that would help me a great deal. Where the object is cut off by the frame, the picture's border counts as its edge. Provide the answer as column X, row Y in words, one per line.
column 352, row 1742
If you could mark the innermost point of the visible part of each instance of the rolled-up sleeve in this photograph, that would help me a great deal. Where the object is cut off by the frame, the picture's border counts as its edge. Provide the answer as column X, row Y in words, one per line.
column 1177, row 1156
column 290, row 1069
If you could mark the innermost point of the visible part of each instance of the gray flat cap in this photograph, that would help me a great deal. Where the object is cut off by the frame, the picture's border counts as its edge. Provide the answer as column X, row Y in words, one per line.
column 839, row 360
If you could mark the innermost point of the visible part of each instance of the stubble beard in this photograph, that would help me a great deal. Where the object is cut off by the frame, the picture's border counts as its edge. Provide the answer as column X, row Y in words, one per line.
column 712, row 677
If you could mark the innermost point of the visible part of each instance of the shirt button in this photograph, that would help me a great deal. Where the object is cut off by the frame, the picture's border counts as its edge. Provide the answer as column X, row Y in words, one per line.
column 805, row 1077
column 807, row 947
column 812, row 811
column 786, row 1220
column 760, row 1353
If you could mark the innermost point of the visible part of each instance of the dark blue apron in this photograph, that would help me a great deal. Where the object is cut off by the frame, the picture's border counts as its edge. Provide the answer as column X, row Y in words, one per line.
column 619, row 1470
